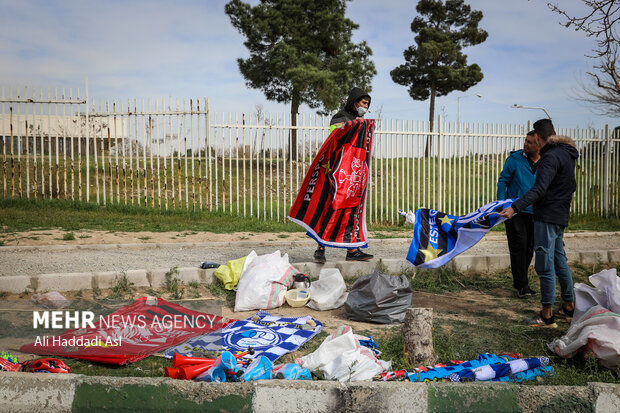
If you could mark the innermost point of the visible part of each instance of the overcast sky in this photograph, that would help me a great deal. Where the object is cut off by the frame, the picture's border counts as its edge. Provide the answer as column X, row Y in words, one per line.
column 188, row 49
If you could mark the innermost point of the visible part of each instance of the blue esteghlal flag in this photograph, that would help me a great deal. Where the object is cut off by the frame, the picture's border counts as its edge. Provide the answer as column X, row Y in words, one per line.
column 269, row 336
column 438, row 237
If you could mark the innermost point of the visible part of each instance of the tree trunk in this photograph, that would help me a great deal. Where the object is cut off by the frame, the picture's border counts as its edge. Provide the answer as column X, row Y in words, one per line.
column 418, row 337
column 431, row 120
column 294, row 111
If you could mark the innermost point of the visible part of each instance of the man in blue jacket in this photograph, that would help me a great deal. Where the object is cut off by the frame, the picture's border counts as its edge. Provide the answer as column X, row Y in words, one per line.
column 551, row 196
column 516, row 178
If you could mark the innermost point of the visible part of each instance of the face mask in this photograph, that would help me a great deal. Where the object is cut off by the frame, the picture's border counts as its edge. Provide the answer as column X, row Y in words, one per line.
column 361, row 111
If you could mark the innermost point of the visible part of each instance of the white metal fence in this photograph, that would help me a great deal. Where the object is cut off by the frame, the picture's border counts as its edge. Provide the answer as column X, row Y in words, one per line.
column 179, row 154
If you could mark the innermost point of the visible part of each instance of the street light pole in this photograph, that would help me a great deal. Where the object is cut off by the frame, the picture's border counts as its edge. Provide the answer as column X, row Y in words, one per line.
column 458, row 107
column 515, row 106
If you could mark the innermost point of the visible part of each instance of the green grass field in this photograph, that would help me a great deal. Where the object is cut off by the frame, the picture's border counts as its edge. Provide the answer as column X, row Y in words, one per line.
column 24, row 215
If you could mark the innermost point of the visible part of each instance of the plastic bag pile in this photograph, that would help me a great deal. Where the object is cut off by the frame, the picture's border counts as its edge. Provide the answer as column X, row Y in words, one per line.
column 596, row 322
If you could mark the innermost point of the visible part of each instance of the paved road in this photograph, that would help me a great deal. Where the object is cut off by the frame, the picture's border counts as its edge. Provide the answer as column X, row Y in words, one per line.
column 92, row 259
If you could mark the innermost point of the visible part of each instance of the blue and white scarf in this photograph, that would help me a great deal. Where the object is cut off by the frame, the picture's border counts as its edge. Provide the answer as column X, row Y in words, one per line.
column 495, row 371
column 269, row 336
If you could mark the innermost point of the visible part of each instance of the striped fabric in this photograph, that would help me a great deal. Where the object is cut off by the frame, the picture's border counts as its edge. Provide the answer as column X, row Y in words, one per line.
column 331, row 203
column 495, row 371
column 438, row 237
column 269, row 336
column 440, row 373
column 489, row 367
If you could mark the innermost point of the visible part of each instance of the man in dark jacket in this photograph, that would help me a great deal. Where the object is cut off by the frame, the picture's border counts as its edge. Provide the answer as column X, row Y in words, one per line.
column 516, row 178
column 356, row 107
column 551, row 196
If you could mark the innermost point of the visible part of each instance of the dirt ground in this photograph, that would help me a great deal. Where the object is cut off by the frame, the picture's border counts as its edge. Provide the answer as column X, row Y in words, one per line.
column 464, row 306
column 58, row 237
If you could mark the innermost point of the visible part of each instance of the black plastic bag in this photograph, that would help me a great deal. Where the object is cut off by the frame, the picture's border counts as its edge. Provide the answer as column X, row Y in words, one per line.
column 379, row 298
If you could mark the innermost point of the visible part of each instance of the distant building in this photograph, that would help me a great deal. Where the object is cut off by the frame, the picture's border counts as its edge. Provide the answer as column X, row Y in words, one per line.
column 29, row 134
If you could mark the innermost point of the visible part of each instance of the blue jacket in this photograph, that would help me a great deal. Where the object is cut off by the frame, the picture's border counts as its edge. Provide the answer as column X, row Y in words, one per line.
column 516, row 178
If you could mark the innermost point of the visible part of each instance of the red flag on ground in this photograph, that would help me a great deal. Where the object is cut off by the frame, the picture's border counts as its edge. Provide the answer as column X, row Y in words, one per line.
column 129, row 334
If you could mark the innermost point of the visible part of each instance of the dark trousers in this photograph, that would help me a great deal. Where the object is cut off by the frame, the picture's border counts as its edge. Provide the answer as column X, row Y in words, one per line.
column 520, row 233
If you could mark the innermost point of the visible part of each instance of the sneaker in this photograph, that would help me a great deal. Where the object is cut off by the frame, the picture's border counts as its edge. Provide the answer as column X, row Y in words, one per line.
column 319, row 256
column 563, row 312
column 358, row 255
column 540, row 321
column 522, row 292
column 530, row 291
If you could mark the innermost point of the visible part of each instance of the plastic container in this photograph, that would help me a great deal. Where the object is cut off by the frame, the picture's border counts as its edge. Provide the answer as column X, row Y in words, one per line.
column 259, row 369
column 297, row 298
column 224, row 364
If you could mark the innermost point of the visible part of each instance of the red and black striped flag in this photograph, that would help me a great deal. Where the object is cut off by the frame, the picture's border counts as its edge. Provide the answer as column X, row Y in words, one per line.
column 331, row 203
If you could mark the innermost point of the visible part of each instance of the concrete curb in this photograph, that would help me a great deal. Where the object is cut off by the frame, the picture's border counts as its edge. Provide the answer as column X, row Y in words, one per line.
column 282, row 243
column 350, row 270
column 26, row 392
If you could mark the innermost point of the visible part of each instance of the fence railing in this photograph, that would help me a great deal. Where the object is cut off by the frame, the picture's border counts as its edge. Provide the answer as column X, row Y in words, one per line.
column 177, row 154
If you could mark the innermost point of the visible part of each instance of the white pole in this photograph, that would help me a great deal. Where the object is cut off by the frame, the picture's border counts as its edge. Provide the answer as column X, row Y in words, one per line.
column 238, row 173
column 103, row 176
column 243, row 146
column 87, row 145
column 208, row 168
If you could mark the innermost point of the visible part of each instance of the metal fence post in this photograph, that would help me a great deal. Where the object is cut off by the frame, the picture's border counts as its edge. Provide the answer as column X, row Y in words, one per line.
column 607, row 174
column 88, row 146
column 440, row 188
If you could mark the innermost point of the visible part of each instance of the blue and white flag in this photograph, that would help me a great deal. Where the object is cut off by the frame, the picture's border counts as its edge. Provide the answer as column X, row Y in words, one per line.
column 438, row 237
column 496, row 371
column 269, row 336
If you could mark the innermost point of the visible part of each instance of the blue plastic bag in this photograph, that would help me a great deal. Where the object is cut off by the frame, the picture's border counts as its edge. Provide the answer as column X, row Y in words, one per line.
column 290, row 371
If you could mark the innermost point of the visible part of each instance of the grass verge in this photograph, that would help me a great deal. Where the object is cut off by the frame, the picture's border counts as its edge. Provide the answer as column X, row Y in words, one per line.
column 460, row 334
column 25, row 215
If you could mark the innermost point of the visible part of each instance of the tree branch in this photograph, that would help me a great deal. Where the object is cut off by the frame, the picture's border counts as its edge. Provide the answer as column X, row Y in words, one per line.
column 599, row 23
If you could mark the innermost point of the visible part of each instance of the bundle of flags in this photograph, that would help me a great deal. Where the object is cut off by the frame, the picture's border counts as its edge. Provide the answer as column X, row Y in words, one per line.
column 499, row 371
column 487, row 367
column 438, row 237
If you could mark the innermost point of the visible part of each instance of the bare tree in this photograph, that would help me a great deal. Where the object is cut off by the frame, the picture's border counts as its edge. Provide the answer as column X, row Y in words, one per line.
column 600, row 22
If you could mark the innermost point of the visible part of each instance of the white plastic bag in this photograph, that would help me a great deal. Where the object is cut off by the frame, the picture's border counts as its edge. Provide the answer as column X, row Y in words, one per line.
column 263, row 282
column 597, row 330
column 596, row 323
column 341, row 357
column 606, row 293
column 329, row 291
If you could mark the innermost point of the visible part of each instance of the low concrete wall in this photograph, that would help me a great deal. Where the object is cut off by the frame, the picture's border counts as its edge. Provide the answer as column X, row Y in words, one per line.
column 350, row 270
column 27, row 392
